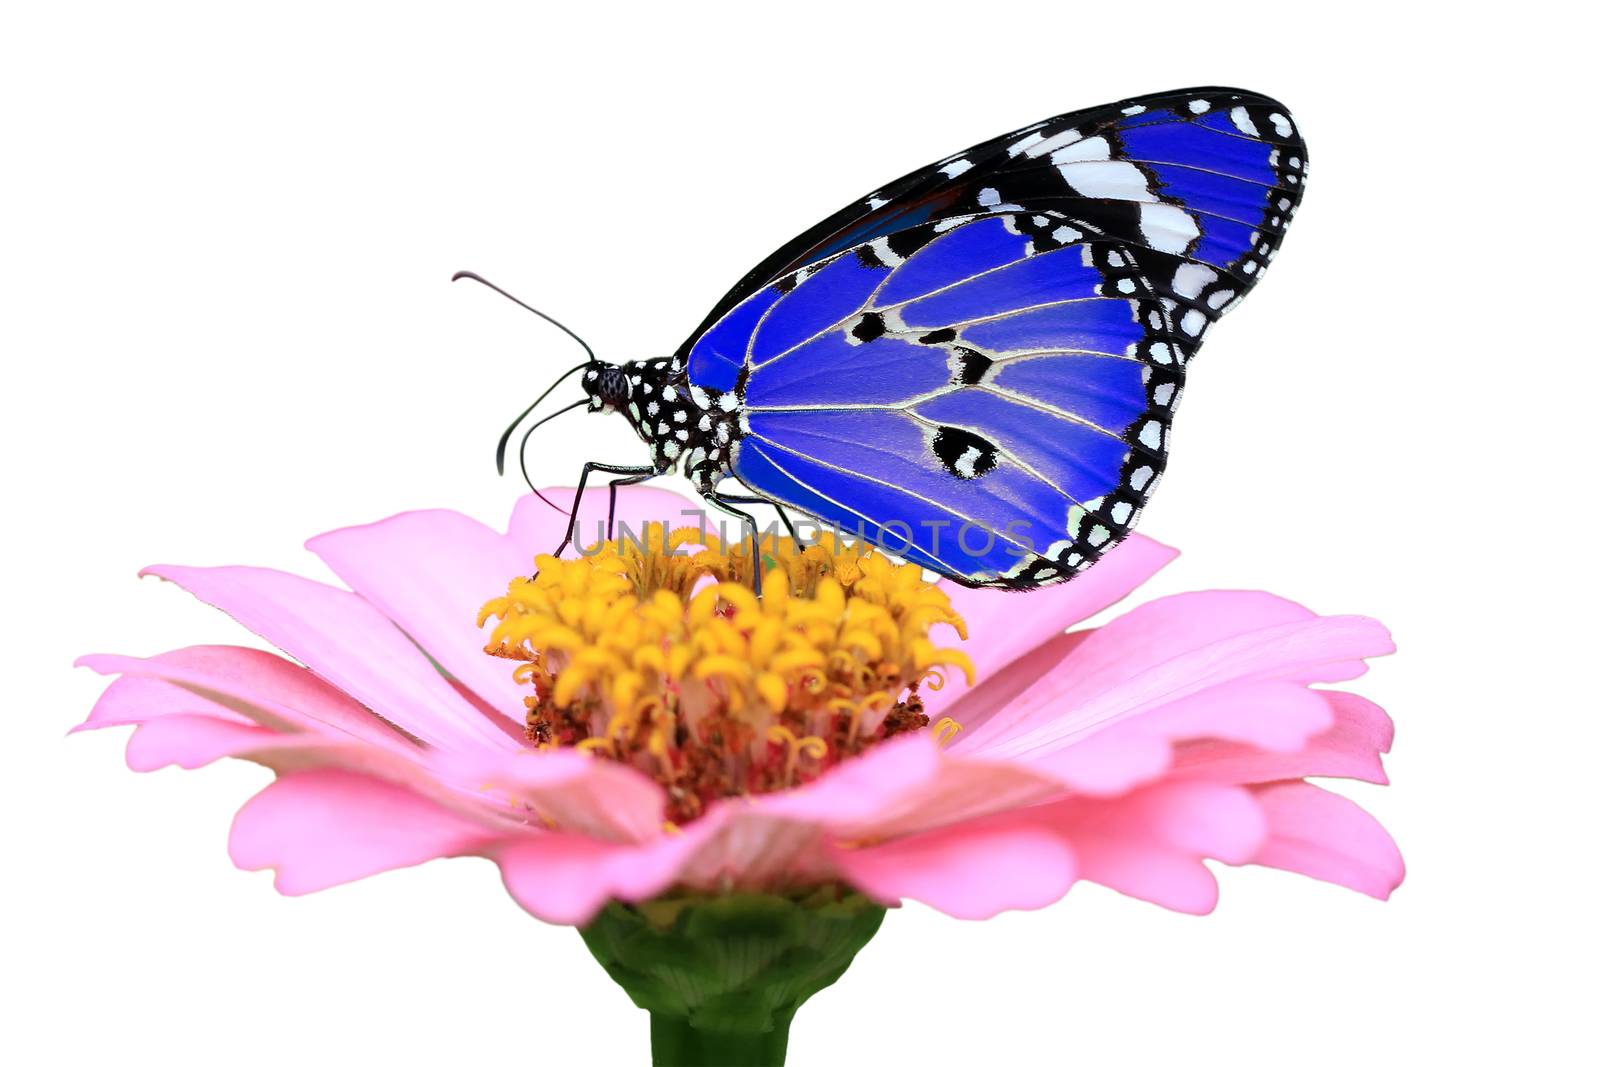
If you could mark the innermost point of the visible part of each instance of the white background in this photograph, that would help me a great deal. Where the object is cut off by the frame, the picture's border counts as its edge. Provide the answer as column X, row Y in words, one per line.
column 227, row 325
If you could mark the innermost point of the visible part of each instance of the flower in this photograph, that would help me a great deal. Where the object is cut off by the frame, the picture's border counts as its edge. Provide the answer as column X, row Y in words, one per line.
column 646, row 725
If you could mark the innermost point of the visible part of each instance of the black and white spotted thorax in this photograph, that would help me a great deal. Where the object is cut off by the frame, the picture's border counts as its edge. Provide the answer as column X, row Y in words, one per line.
column 688, row 428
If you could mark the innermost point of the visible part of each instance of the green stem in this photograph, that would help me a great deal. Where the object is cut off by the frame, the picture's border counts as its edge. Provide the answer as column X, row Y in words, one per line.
column 675, row 1042
column 722, row 976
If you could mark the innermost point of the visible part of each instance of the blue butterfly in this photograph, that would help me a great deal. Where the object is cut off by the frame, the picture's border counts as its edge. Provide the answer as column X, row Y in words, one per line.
column 976, row 367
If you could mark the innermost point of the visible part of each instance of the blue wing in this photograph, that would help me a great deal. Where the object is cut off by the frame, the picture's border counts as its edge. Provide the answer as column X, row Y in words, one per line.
column 993, row 406
column 1216, row 171
column 983, row 378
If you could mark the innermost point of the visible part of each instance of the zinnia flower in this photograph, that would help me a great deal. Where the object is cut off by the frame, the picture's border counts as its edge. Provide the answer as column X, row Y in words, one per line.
column 645, row 731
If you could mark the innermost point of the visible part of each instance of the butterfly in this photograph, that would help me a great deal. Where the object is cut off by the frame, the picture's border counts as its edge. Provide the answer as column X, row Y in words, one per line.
column 976, row 367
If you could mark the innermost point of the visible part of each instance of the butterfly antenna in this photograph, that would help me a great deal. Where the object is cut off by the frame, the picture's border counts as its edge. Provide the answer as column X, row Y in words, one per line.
column 458, row 275
column 522, row 450
column 505, row 438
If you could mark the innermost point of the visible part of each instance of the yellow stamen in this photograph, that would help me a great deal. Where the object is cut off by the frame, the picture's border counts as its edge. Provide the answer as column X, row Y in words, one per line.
column 945, row 730
column 795, row 747
column 656, row 653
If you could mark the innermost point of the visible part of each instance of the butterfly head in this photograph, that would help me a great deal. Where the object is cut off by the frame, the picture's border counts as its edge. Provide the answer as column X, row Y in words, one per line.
column 608, row 386
column 633, row 388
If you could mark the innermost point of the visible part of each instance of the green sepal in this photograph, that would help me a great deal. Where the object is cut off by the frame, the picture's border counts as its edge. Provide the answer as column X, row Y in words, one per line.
column 722, row 976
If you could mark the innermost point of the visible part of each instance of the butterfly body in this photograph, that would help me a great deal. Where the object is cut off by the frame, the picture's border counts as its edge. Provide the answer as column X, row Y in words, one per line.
column 687, row 427
column 977, row 366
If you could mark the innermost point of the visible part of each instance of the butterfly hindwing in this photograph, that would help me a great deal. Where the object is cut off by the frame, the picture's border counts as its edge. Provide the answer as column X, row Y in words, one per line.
column 993, row 404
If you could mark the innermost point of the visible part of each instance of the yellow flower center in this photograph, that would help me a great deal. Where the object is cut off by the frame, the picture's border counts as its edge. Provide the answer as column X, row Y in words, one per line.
column 656, row 653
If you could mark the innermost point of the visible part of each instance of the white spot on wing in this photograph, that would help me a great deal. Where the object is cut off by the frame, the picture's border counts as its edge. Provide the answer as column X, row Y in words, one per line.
column 1095, row 148
column 886, row 255
column 1021, row 144
column 1050, row 144
column 1190, row 278
column 1167, row 228
column 1108, row 180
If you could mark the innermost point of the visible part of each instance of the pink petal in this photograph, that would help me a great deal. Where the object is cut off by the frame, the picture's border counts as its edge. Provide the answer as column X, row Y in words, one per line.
column 1350, row 748
column 431, row 572
column 1325, row 836
column 905, row 786
column 739, row 846
column 133, row 699
column 348, row 642
column 1004, row 625
column 882, row 778
column 241, row 684
column 1150, row 844
column 996, row 692
column 972, row 871
column 191, row 741
column 196, row 705
column 322, row 828
column 1172, row 649
column 1272, row 715
column 1136, row 869
column 562, row 878
column 1164, row 627
column 568, row 790
column 895, row 790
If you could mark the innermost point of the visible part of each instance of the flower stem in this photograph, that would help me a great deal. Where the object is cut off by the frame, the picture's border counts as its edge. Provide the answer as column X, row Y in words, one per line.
column 675, row 1042
column 722, row 976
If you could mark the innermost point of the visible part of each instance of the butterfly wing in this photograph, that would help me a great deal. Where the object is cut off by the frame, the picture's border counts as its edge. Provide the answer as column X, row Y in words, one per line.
column 982, row 377
column 1231, row 160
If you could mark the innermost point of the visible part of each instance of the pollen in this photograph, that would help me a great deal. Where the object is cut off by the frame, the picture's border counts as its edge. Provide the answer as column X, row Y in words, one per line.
column 655, row 652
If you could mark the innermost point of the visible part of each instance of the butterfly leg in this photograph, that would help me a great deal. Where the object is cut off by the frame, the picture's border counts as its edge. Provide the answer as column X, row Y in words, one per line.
column 637, row 473
column 746, row 519
column 611, row 505
column 788, row 524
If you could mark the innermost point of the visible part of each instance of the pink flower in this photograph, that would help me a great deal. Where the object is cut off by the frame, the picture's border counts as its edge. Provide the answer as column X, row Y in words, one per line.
column 1126, row 755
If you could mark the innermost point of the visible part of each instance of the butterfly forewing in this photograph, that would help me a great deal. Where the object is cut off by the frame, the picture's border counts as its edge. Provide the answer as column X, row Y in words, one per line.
column 1230, row 159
